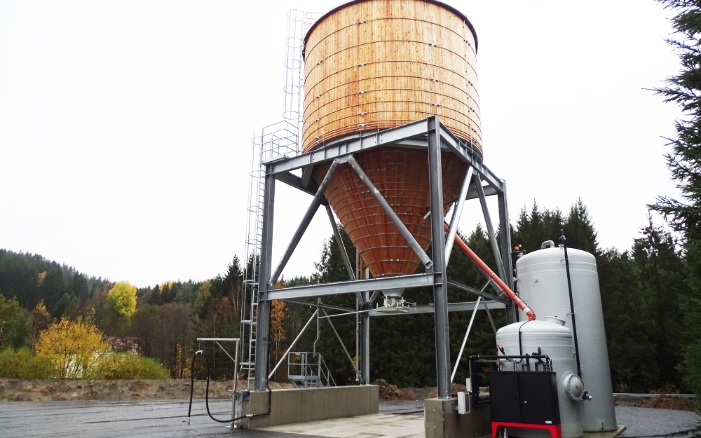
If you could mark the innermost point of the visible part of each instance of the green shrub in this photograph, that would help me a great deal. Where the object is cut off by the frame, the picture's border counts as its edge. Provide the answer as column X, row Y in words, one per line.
column 22, row 364
column 126, row 366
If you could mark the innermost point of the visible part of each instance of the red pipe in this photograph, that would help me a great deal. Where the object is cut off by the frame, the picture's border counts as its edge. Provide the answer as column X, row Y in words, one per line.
column 494, row 277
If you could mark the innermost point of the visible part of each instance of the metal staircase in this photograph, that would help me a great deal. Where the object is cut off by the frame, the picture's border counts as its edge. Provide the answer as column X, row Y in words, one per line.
column 307, row 369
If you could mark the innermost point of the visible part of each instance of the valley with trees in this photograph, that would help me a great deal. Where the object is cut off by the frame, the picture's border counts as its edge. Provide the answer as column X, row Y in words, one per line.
column 644, row 292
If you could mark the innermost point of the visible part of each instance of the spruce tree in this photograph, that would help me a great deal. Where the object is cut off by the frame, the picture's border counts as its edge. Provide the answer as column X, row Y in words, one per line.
column 684, row 163
column 659, row 262
column 579, row 230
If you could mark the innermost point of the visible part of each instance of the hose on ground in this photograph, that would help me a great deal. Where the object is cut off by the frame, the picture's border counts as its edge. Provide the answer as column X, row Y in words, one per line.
column 206, row 393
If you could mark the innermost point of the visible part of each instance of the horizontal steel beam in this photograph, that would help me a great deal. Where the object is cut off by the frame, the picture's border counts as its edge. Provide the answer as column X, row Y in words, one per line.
column 452, row 307
column 219, row 339
column 321, row 305
column 350, row 145
column 414, row 134
column 347, row 287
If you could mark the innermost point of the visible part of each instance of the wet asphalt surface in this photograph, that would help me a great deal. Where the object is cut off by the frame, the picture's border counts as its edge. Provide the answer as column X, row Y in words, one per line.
column 643, row 422
column 118, row 419
column 168, row 419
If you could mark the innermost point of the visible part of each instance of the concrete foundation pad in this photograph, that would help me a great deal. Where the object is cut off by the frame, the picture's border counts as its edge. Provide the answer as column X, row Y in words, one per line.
column 289, row 406
column 612, row 434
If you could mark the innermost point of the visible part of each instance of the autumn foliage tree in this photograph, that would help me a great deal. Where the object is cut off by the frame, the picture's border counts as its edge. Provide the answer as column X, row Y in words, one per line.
column 40, row 319
column 122, row 298
column 278, row 314
column 74, row 346
column 119, row 305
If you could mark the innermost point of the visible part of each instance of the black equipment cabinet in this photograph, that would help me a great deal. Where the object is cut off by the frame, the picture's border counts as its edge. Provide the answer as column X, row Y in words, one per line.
column 524, row 397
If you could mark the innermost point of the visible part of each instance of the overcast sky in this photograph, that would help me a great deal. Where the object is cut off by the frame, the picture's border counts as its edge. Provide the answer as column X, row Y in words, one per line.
column 125, row 126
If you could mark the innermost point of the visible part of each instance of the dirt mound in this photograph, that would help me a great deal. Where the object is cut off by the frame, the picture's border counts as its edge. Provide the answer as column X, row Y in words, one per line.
column 668, row 402
column 116, row 390
column 126, row 390
column 457, row 387
column 391, row 392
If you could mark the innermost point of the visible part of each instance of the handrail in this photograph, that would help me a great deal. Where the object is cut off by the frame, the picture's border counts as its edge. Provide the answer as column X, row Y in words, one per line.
column 307, row 371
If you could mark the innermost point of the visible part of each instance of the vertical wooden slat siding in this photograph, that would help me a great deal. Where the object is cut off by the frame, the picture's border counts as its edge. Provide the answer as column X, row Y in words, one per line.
column 401, row 175
column 382, row 63
column 379, row 64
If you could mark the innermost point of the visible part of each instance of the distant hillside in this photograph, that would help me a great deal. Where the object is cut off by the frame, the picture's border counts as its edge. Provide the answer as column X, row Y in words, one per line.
column 31, row 278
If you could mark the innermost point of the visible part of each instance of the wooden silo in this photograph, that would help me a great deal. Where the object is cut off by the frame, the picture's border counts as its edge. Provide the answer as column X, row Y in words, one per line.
column 377, row 64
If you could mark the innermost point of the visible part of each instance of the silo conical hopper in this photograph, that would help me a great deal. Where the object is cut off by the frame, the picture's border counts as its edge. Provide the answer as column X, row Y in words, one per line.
column 378, row 64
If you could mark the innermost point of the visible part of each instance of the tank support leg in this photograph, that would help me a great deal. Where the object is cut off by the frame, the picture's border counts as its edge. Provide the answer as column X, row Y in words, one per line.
column 440, row 281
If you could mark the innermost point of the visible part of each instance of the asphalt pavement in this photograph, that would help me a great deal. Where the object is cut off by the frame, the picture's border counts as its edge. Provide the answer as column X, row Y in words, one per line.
column 643, row 422
column 168, row 419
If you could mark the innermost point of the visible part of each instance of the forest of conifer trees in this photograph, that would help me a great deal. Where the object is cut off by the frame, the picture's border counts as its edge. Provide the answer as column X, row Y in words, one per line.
column 644, row 292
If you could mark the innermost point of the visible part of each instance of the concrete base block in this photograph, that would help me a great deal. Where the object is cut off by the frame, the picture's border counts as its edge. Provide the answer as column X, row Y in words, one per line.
column 310, row 404
column 443, row 420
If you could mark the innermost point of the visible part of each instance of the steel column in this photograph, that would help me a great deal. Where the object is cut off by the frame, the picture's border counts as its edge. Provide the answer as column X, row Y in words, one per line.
column 364, row 359
column 263, row 320
column 440, row 286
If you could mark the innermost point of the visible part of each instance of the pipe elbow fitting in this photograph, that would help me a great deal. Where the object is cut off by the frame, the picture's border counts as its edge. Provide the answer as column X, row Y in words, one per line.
column 530, row 313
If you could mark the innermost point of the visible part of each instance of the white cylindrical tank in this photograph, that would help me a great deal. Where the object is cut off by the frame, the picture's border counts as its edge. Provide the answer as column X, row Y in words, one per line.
column 555, row 341
column 542, row 283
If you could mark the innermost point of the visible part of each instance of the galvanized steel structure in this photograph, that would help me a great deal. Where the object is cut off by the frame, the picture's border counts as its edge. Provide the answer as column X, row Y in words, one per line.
column 434, row 139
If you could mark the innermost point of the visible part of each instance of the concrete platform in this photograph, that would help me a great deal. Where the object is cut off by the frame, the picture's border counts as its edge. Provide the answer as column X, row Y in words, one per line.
column 376, row 425
column 165, row 419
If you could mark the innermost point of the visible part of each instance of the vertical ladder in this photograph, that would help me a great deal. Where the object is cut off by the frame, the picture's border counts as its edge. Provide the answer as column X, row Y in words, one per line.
column 254, row 231
column 279, row 139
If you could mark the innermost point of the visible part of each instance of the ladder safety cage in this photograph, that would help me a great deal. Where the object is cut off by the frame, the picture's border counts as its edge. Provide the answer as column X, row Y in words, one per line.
column 277, row 140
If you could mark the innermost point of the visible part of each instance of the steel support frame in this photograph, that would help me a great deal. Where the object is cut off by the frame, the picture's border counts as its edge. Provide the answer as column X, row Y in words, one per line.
column 429, row 135
column 438, row 269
